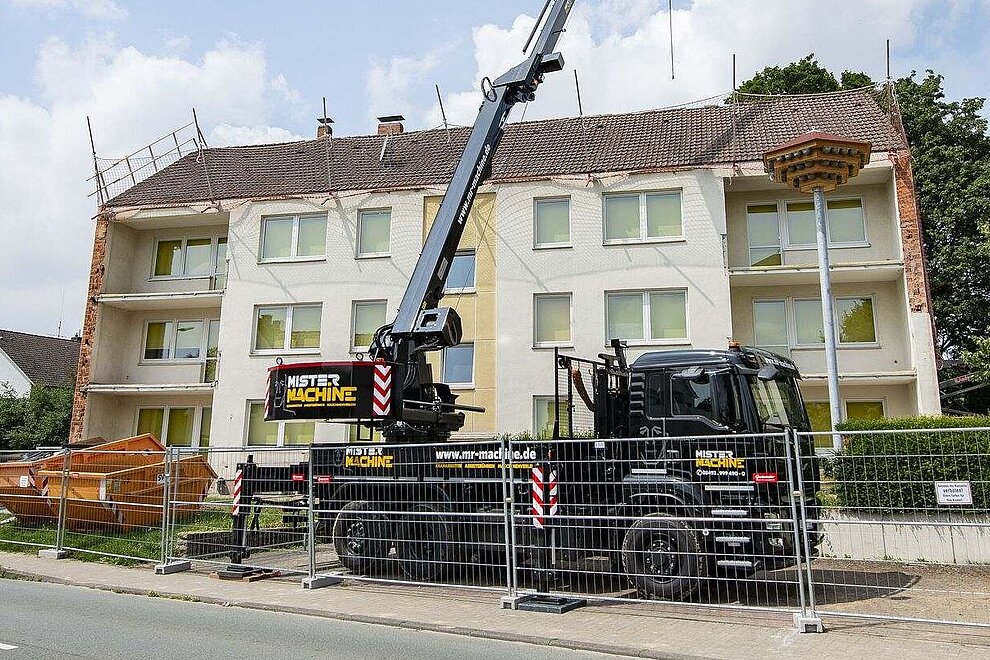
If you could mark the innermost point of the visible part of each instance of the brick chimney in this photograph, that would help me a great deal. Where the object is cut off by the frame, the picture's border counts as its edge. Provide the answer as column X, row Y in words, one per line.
column 324, row 129
column 390, row 124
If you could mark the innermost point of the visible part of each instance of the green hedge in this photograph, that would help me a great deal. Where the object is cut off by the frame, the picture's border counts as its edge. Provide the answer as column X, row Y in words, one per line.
column 894, row 472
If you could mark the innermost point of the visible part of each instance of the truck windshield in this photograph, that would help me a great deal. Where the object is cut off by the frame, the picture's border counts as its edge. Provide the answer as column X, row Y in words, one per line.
column 778, row 402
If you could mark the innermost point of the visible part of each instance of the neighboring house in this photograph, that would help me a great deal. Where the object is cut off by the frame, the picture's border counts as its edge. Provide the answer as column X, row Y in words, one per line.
column 657, row 227
column 28, row 360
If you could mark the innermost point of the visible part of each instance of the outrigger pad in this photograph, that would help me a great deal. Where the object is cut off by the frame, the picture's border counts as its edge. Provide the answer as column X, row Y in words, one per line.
column 245, row 573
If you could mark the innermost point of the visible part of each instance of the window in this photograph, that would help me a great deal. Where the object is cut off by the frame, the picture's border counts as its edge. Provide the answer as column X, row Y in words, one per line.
column 220, row 268
column 175, row 340
column 294, row 237
column 770, row 325
column 458, row 364
column 357, row 433
column 552, row 318
column 276, row 434
column 545, row 414
column 854, row 321
column 176, row 425
column 287, row 328
column 691, row 398
column 212, row 352
column 366, row 318
column 659, row 316
column 631, row 217
column 864, row 410
column 844, row 222
column 461, row 276
column 764, row 235
column 189, row 257
column 820, row 418
column 374, row 228
column 553, row 222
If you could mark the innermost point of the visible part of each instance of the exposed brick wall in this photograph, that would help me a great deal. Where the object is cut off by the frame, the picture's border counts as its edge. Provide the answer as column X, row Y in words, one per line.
column 96, row 277
column 915, row 267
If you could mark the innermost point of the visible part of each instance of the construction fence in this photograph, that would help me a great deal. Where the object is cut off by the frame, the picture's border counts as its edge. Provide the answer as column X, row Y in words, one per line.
column 896, row 526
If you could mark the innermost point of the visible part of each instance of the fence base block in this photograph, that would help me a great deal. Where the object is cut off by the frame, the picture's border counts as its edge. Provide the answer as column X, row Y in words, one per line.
column 544, row 603
column 321, row 581
column 172, row 567
column 52, row 553
column 808, row 624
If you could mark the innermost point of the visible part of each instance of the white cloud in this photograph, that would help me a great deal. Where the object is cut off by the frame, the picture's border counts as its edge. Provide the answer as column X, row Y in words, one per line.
column 621, row 49
column 388, row 85
column 95, row 9
column 132, row 97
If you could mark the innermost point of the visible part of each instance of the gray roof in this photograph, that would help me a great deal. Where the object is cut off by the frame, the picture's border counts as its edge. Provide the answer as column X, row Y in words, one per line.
column 632, row 142
column 44, row 360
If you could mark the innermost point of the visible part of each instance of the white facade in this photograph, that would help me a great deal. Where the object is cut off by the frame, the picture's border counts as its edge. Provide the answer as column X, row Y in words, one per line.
column 709, row 262
column 11, row 375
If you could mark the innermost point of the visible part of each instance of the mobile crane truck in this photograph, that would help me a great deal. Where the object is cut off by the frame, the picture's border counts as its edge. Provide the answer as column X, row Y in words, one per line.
column 646, row 486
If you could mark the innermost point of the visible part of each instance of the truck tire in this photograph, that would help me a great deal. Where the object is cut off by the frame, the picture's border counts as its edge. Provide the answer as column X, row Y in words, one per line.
column 663, row 558
column 360, row 537
column 424, row 544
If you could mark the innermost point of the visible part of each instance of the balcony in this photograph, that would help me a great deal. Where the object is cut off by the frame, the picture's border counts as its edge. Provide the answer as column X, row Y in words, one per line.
column 875, row 271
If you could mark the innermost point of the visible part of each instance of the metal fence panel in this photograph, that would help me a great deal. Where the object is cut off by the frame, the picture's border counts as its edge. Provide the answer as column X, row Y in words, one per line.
column 28, row 512
column 906, row 526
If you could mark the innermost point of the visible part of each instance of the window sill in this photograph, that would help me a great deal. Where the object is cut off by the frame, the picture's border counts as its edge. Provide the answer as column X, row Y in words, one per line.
column 839, row 346
column 374, row 255
column 543, row 346
column 553, row 246
column 291, row 260
column 178, row 278
column 185, row 362
column 643, row 241
column 654, row 342
column 460, row 386
column 459, row 292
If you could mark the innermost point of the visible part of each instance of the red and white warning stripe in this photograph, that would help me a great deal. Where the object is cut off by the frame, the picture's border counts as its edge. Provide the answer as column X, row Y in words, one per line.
column 268, row 396
column 32, row 482
column 236, row 508
column 381, row 403
column 545, row 499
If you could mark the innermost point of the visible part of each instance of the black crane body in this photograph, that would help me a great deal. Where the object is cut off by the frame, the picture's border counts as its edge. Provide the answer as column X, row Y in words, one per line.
column 645, row 473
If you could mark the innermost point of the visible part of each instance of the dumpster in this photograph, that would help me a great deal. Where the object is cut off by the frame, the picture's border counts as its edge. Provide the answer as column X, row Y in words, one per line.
column 24, row 493
column 118, row 484
column 125, row 491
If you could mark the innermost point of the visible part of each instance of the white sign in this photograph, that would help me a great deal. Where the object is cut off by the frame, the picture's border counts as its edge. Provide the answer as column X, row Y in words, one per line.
column 25, row 481
column 953, row 492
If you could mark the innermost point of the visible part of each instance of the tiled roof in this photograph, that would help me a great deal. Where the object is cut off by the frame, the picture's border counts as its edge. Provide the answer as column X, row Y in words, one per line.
column 44, row 360
column 640, row 141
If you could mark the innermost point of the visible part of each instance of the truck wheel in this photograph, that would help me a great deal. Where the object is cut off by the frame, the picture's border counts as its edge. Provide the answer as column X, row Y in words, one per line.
column 359, row 537
column 663, row 558
column 425, row 544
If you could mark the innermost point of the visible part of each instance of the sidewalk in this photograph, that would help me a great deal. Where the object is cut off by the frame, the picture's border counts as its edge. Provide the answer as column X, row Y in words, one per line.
column 652, row 631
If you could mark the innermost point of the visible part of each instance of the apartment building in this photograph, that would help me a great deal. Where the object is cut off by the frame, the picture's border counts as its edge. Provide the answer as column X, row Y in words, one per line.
column 657, row 227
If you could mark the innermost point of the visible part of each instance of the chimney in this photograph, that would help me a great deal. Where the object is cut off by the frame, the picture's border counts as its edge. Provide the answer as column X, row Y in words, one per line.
column 390, row 124
column 324, row 129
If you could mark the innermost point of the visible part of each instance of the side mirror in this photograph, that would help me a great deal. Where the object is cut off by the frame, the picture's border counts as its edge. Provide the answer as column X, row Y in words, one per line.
column 768, row 372
column 693, row 374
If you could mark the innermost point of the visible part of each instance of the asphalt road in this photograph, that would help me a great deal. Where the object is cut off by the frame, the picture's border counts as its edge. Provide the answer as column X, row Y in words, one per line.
column 58, row 622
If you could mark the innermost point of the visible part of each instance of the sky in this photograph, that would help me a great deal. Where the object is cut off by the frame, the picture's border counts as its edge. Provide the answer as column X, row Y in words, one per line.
column 256, row 72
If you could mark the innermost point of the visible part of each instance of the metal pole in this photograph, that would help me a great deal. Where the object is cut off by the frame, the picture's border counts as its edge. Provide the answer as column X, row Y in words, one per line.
column 62, row 499
column 166, row 492
column 506, row 448
column 828, row 317
column 311, row 518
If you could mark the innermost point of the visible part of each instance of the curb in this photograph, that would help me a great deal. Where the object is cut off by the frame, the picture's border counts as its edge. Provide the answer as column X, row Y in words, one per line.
column 573, row 645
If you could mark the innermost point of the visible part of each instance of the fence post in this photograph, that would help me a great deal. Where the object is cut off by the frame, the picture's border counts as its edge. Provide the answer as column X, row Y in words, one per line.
column 806, row 540
column 806, row 620
column 512, row 598
column 57, row 552
column 312, row 581
column 170, row 474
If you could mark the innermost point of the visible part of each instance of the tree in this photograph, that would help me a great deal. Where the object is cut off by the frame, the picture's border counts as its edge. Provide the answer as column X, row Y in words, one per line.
column 41, row 418
column 950, row 153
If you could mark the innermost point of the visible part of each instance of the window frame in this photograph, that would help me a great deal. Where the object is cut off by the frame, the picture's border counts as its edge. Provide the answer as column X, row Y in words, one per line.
column 214, row 240
column 197, row 427
column 293, row 238
column 171, row 341
column 882, row 400
column 354, row 306
column 557, row 245
column 791, row 329
column 287, row 341
column 646, row 340
column 360, row 228
column 780, row 233
column 547, row 398
column 570, row 320
column 644, row 238
column 279, row 434
column 443, row 367
column 474, row 271
column 785, row 237
column 789, row 344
